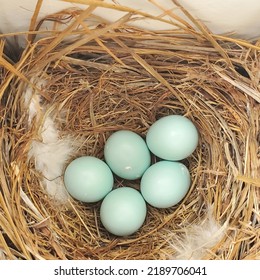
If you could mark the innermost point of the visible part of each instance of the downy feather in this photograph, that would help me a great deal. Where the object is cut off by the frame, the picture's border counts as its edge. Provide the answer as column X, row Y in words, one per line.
column 197, row 239
column 50, row 152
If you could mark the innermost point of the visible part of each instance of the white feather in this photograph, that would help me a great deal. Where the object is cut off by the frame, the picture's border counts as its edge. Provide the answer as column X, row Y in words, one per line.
column 50, row 155
column 56, row 190
column 32, row 101
column 49, row 132
column 197, row 239
column 49, row 151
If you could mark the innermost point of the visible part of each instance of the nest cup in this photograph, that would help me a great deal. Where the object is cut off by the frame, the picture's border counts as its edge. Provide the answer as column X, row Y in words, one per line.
column 92, row 78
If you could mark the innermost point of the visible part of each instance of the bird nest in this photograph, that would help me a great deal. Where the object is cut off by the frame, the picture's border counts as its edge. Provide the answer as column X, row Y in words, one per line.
column 84, row 81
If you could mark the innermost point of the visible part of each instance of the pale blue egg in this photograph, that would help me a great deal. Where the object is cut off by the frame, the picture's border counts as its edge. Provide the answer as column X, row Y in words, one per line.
column 127, row 154
column 172, row 137
column 123, row 211
column 165, row 183
column 88, row 179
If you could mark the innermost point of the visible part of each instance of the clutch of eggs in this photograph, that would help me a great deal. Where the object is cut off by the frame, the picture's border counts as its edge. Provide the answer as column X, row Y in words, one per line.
column 127, row 155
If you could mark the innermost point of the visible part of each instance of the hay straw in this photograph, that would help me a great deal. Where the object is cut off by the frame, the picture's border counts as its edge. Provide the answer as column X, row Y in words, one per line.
column 112, row 76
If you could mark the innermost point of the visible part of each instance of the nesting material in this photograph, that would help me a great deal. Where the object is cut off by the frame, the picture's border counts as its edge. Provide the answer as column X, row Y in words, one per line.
column 109, row 77
column 48, row 150
column 197, row 239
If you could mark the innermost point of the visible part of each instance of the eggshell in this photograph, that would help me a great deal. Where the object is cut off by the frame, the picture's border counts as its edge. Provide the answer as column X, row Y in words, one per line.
column 165, row 184
column 88, row 179
column 127, row 154
column 173, row 137
column 123, row 211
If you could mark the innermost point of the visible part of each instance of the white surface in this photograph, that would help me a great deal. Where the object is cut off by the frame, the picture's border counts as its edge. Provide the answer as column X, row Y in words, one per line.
column 128, row 269
column 222, row 16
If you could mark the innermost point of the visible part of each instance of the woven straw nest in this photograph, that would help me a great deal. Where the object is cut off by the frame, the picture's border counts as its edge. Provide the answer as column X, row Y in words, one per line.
column 111, row 76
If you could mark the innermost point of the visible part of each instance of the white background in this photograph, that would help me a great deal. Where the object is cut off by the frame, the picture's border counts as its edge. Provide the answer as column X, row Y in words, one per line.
column 239, row 16
column 31, row 270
